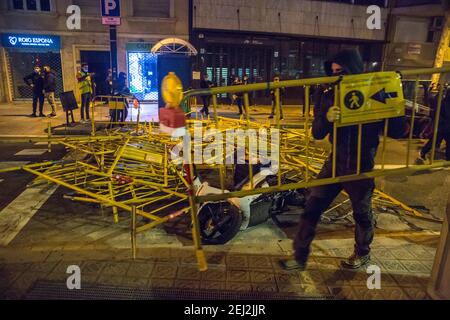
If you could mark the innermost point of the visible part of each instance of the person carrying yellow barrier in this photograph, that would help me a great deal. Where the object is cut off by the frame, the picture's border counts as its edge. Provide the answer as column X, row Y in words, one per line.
column 326, row 113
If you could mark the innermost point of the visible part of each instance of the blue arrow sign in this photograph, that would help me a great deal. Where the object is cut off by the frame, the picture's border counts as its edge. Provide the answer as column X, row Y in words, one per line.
column 382, row 95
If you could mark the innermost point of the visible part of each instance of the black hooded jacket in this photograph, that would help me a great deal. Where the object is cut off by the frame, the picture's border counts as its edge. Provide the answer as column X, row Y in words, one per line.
column 347, row 137
column 37, row 80
column 50, row 81
column 444, row 118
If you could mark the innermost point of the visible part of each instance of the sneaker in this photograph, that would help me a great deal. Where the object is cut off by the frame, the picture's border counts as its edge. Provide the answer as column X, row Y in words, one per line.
column 355, row 261
column 41, row 115
column 33, row 115
column 292, row 264
column 271, row 117
column 82, row 121
column 421, row 159
column 52, row 115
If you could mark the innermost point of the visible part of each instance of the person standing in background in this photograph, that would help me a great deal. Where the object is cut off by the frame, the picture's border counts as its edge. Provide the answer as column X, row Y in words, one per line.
column 245, row 81
column 238, row 96
column 50, row 88
column 443, row 131
column 108, row 82
column 272, row 95
column 122, row 90
column 85, row 86
column 206, row 84
column 36, row 81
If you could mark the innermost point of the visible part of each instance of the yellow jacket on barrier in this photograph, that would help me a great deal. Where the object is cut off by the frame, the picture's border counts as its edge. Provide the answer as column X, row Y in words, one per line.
column 84, row 82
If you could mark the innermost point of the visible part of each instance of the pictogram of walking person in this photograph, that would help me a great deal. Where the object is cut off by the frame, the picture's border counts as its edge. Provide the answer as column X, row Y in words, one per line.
column 354, row 101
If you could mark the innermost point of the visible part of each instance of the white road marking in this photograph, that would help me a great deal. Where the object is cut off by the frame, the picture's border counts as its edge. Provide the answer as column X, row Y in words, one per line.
column 398, row 166
column 390, row 166
column 12, row 164
column 31, row 152
column 17, row 214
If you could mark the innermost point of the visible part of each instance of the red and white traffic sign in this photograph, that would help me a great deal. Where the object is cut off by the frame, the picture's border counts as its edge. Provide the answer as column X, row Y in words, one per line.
column 111, row 21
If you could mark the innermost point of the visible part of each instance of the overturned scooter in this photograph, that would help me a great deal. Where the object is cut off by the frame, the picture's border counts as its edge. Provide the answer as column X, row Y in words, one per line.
column 221, row 220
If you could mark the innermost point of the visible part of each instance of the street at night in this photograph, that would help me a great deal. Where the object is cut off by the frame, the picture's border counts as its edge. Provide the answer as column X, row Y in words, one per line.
column 235, row 155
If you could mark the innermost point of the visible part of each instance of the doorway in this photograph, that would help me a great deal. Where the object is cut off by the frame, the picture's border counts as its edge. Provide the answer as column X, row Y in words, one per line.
column 99, row 63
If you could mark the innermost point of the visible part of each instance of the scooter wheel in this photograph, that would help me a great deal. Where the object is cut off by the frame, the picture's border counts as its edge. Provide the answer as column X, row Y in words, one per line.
column 219, row 222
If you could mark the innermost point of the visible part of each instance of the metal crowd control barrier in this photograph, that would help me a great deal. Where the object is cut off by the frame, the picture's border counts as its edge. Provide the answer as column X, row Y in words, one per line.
column 133, row 172
column 305, row 84
column 116, row 106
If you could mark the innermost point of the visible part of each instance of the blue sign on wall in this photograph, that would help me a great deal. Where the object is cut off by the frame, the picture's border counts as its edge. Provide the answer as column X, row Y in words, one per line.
column 110, row 8
column 10, row 40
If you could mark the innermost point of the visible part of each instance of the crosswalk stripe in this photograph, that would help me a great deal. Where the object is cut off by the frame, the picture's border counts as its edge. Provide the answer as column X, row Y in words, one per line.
column 31, row 152
column 16, row 215
column 12, row 164
column 390, row 166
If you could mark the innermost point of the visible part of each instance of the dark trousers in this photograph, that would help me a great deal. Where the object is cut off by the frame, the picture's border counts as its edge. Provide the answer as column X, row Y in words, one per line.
column 440, row 137
column 274, row 109
column 122, row 115
column 85, row 102
column 38, row 98
column 118, row 115
column 239, row 104
column 360, row 193
column 206, row 103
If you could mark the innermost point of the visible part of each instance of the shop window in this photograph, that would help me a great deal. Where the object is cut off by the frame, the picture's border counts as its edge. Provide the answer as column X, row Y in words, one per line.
column 380, row 3
column 435, row 29
column 88, row 7
column 32, row 5
column 407, row 3
column 45, row 5
column 143, row 75
column 17, row 4
column 155, row 8
column 21, row 64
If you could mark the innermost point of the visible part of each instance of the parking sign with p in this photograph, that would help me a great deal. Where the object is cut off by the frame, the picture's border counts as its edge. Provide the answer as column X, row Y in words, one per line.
column 110, row 12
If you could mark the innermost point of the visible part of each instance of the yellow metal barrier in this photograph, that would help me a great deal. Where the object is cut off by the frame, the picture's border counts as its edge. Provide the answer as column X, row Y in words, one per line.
column 306, row 183
column 134, row 172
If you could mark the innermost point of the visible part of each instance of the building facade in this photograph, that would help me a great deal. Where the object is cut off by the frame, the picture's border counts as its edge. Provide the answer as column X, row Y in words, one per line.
column 36, row 32
column 414, row 34
column 290, row 38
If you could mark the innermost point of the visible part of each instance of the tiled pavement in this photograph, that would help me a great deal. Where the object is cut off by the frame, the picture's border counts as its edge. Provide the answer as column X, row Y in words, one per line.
column 64, row 233
column 405, row 272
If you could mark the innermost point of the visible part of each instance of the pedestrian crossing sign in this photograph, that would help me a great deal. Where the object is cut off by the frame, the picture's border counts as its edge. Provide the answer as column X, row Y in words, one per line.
column 370, row 97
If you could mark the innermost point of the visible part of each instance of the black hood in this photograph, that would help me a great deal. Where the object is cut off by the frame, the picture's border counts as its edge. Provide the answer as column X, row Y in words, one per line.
column 349, row 59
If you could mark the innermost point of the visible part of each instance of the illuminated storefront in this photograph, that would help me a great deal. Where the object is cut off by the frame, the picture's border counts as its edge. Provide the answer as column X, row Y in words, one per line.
column 23, row 52
column 142, row 71
column 223, row 55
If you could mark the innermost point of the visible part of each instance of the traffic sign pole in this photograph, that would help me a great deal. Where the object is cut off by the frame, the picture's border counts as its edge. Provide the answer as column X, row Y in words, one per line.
column 113, row 53
column 111, row 16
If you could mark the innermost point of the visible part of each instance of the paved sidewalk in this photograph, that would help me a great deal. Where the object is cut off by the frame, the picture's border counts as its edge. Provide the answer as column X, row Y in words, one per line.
column 15, row 120
column 64, row 233
column 405, row 268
